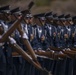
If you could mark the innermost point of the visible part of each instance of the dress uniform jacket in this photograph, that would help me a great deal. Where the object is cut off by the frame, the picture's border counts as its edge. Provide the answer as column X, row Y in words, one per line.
column 50, row 34
column 60, row 40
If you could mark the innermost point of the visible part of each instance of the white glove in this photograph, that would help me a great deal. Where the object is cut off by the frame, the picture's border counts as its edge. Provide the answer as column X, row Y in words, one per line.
column 25, row 36
column 12, row 41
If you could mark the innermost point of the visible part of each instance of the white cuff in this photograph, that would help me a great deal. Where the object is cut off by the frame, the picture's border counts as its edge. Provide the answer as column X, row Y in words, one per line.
column 12, row 41
column 60, row 52
column 25, row 36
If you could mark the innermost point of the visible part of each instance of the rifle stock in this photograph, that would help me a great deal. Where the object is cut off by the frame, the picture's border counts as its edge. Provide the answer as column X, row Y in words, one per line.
column 61, row 56
column 74, row 49
column 10, row 30
column 30, row 49
column 29, row 59
column 68, row 53
column 27, row 44
column 55, row 49
column 71, row 55
column 47, row 54
column 52, row 55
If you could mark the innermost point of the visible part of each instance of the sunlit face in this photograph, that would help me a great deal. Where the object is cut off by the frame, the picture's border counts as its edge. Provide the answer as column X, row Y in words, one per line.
column 64, row 22
column 68, row 22
column 51, row 20
column 43, row 22
column 29, row 20
column 71, row 22
column 19, row 16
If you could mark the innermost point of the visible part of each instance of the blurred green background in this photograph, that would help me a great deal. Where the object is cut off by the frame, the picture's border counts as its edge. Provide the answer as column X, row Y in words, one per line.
column 57, row 6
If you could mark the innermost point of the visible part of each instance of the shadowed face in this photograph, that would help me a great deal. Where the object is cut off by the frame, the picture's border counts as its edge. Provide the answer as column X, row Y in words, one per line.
column 58, row 22
column 74, row 21
column 42, row 38
column 51, row 20
column 11, row 17
column 1, row 30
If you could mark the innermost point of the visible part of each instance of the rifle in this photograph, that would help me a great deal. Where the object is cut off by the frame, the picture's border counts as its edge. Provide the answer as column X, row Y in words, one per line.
column 5, row 11
column 15, row 25
column 67, row 52
column 51, row 55
column 55, row 48
column 48, row 54
column 60, row 56
column 30, row 5
column 21, row 52
column 74, row 49
column 15, row 46
column 10, row 30
column 35, row 62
